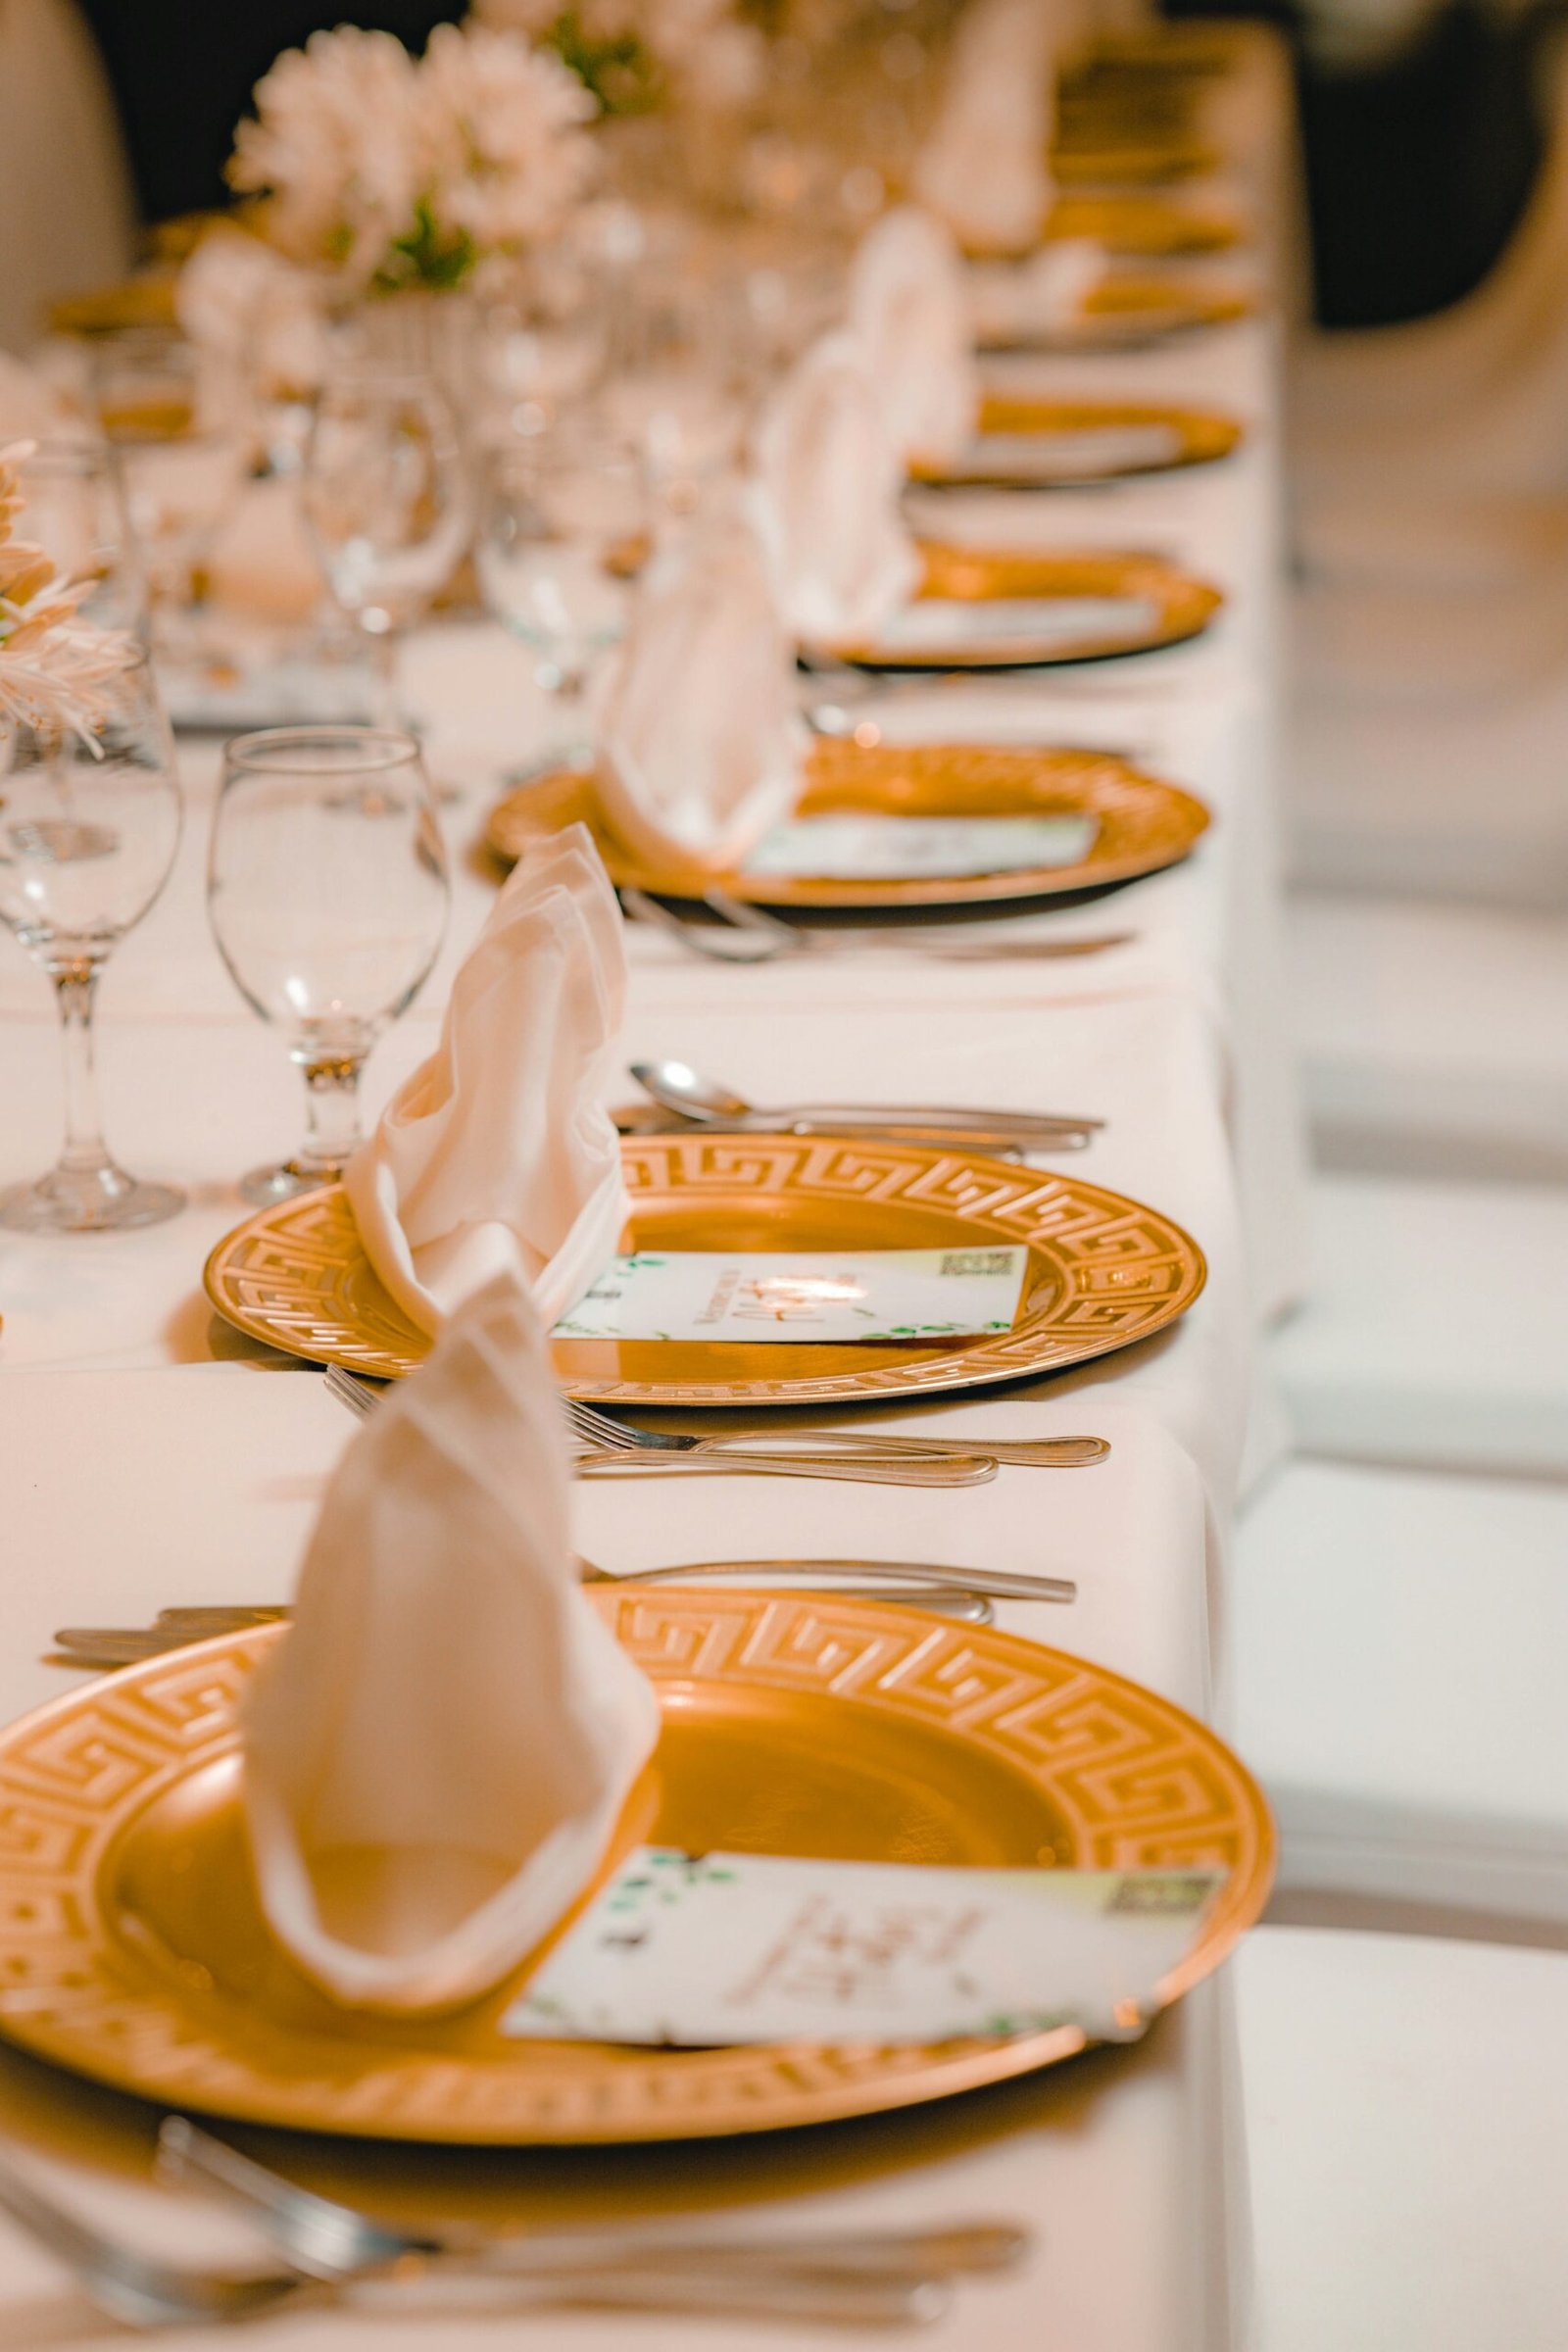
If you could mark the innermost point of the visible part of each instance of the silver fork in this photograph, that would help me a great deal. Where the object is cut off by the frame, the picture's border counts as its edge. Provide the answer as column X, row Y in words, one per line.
column 327, row 2239
column 767, row 940
column 144, row 2291
column 871, row 1465
column 1038, row 1453
column 134, row 2287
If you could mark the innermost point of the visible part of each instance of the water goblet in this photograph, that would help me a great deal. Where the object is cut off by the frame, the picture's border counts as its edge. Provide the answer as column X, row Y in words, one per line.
column 77, row 513
column 386, row 500
column 327, row 891
column 179, row 435
column 563, row 531
column 89, row 823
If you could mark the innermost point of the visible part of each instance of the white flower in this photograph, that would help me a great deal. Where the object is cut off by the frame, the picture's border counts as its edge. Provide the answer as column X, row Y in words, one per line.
column 398, row 171
column 335, row 148
column 56, row 675
column 505, row 152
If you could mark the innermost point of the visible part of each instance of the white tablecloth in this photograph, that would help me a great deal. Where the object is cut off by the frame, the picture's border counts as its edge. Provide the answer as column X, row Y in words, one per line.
column 152, row 1456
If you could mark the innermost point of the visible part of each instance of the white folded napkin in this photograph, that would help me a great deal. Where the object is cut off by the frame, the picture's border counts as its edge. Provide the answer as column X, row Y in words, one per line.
column 909, row 306
column 437, row 1755
column 701, row 741
column 828, row 479
column 497, row 1154
column 985, row 168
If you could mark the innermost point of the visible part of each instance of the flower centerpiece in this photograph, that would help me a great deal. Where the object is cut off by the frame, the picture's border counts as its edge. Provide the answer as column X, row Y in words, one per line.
column 59, row 675
column 641, row 57
column 395, row 174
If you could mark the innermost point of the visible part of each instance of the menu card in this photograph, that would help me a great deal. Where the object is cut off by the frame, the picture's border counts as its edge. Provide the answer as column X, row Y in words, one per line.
column 702, row 1949
column 856, row 848
column 1094, row 450
column 808, row 1297
column 934, row 621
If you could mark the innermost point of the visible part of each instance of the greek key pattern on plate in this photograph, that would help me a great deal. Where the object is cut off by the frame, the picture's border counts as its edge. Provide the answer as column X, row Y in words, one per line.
column 1135, row 1780
column 1103, row 1271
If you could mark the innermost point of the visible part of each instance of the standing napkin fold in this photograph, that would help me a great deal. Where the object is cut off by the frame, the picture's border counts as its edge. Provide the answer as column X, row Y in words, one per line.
column 984, row 168
column 910, row 308
column 437, row 1755
column 701, row 745
column 828, row 479
column 497, row 1154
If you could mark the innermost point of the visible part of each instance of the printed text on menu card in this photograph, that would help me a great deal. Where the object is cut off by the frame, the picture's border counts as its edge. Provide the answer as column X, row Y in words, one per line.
column 808, row 1298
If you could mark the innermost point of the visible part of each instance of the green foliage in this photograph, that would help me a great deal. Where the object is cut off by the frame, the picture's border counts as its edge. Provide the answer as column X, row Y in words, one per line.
column 423, row 257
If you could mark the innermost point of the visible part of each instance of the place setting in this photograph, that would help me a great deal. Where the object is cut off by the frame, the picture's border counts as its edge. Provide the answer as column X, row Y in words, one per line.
column 706, row 1267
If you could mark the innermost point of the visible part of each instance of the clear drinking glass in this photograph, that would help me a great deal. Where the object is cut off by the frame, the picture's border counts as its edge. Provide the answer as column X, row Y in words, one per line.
column 387, row 499
column 76, row 512
column 327, row 890
column 88, row 837
column 180, row 435
column 563, row 534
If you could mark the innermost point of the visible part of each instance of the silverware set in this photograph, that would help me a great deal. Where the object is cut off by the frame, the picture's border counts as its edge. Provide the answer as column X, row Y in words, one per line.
column 607, row 1446
column 324, row 2252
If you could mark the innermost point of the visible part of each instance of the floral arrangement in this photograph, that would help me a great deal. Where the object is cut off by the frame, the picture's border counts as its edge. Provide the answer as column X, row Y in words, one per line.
column 640, row 57
column 58, row 674
column 398, row 171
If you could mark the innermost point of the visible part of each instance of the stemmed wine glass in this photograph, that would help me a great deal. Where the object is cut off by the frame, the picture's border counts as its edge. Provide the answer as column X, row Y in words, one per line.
column 180, row 433
column 77, row 508
column 88, row 830
column 563, row 534
column 387, row 502
column 327, row 890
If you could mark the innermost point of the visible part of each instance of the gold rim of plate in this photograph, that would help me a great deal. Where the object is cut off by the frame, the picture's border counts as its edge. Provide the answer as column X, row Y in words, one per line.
column 132, row 1949
column 1144, row 228
column 1102, row 1272
column 1203, row 437
column 1135, row 224
column 1091, row 159
column 1184, row 605
column 1125, row 311
column 1142, row 822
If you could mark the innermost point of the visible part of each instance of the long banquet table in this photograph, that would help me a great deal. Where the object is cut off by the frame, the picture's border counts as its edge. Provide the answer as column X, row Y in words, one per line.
column 151, row 1455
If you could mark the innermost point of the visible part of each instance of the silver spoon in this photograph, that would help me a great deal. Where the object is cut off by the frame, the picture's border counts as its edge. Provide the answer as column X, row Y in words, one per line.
column 676, row 1087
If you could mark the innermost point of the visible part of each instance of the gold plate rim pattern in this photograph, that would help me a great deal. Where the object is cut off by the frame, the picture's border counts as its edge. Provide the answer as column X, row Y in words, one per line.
column 1125, row 312
column 1135, row 1780
column 1186, row 606
column 1144, row 823
column 1206, row 435
column 1105, row 1271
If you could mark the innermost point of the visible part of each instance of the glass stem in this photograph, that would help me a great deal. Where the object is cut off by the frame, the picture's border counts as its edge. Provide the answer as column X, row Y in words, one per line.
column 383, row 678
column 76, row 987
column 332, row 1115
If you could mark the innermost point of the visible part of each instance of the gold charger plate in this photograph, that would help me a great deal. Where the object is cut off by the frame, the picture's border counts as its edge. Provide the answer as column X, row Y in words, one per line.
column 1184, row 605
column 1201, row 435
column 132, row 1948
column 1134, row 224
column 1102, row 1272
column 1143, row 226
column 1125, row 311
column 1143, row 823
column 147, row 301
column 1091, row 160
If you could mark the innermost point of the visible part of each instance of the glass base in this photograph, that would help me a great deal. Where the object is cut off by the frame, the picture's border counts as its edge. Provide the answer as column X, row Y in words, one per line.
column 264, row 1188
column 101, row 1200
